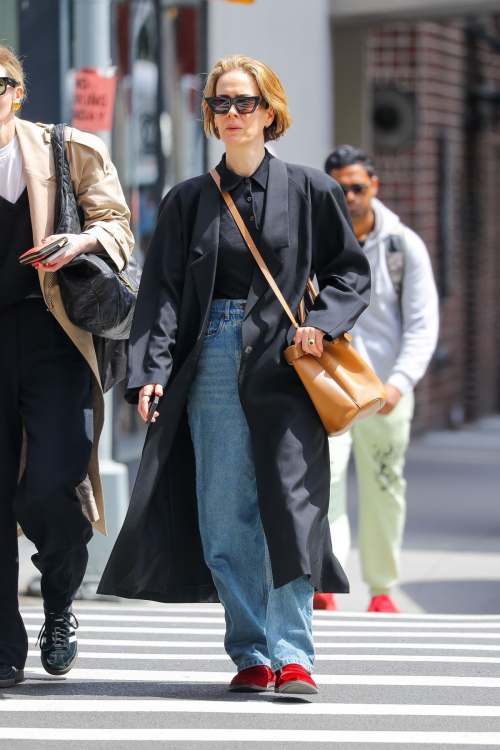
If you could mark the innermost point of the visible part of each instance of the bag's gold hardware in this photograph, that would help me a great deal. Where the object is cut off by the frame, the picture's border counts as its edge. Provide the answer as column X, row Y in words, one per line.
column 49, row 292
column 127, row 282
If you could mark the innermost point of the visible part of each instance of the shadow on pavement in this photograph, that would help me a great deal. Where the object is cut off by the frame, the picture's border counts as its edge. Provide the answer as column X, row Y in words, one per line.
column 67, row 688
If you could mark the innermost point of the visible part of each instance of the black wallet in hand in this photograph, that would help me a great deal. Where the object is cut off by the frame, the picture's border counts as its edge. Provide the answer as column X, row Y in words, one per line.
column 42, row 252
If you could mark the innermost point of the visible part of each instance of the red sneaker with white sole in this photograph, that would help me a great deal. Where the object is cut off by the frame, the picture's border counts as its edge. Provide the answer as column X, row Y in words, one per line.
column 294, row 679
column 253, row 680
column 325, row 601
column 383, row 603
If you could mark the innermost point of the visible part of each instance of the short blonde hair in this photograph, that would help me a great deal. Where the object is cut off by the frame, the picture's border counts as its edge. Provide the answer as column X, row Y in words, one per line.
column 13, row 66
column 270, row 88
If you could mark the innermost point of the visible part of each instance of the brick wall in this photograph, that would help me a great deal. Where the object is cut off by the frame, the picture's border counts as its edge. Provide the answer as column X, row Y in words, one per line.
column 488, row 244
column 429, row 60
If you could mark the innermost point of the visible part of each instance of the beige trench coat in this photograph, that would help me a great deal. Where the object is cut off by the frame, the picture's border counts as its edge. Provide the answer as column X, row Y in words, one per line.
column 98, row 191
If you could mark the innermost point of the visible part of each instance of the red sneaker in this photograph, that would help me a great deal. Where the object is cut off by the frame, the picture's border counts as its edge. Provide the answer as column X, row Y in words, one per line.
column 253, row 680
column 325, row 601
column 383, row 603
column 294, row 679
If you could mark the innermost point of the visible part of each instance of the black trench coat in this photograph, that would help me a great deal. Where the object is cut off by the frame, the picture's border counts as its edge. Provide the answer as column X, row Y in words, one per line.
column 306, row 228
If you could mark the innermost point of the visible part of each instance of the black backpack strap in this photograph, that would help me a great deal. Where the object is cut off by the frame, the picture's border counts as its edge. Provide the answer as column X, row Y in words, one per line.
column 68, row 216
column 395, row 257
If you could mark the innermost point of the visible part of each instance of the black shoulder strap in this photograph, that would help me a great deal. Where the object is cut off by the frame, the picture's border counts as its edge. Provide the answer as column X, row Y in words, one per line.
column 68, row 216
column 395, row 257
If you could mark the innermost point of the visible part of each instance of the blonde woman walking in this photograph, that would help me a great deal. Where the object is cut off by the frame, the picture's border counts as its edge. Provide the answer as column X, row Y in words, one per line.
column 231, row 498
column 49, row 381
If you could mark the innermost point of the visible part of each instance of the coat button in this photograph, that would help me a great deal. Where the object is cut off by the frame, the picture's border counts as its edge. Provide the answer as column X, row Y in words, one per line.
column 249, row 199
column 248, row 350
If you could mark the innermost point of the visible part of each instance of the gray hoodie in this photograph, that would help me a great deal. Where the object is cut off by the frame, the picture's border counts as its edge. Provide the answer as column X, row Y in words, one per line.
column 398, row 340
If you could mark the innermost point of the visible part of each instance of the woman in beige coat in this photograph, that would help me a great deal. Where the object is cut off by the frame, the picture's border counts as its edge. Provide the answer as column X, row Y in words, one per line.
column 49, row 382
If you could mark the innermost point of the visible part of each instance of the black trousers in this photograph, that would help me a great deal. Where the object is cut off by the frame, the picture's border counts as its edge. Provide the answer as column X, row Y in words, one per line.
column 45, row 386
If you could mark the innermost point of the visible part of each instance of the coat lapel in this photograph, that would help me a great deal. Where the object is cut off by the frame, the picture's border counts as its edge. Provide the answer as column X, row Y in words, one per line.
column 39, row 172
column 275, row 230
column 205, row 242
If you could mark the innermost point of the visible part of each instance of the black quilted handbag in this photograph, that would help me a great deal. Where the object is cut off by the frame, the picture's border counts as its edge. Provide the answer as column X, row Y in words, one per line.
column 97, row 297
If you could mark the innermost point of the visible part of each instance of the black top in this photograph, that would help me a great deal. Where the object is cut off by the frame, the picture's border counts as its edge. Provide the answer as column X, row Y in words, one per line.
column 19, row 281
column 235, row 263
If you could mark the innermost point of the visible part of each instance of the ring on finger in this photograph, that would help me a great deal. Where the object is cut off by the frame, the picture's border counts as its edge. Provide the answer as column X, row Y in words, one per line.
column 311, row 342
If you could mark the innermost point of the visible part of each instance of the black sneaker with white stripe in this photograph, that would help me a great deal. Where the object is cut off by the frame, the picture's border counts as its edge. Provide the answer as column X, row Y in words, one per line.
column 10, row 675
column 57, row 638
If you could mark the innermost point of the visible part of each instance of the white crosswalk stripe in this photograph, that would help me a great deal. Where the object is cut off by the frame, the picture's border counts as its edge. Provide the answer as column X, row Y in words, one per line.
column 318, row 624
column 206, row 609
column 139, row 662
column 321, row 634
column 220, row 707
column 353, row 645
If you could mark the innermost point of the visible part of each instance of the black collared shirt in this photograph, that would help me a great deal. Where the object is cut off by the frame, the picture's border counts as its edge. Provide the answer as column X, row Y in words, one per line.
column 235, row 263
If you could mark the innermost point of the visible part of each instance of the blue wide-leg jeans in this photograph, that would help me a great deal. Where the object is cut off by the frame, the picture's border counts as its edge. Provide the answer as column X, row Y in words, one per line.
column 264, row 625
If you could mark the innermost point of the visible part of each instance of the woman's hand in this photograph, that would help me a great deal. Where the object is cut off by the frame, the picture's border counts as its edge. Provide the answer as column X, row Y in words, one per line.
column 307, row 334
column 145, row 397
column 393, row 398
column 82, row 243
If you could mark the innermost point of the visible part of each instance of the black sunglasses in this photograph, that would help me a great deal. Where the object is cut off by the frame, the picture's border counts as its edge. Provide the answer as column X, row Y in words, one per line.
column 356, row 189
column 4, row 82
column 245, row 105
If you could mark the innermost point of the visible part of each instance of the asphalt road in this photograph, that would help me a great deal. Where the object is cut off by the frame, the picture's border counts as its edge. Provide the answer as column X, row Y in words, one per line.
column 426, row 679
column 157, row 676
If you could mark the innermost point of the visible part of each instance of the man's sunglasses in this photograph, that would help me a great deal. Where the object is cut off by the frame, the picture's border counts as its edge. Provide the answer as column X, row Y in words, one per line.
column 356, row 189
column 4, row 82
column 245, row 105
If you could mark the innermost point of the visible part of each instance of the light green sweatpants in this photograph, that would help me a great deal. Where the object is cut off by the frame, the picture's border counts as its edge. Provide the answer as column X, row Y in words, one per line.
column 379, row 444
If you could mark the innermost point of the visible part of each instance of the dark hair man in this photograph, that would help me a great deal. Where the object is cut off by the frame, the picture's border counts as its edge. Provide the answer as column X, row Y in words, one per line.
column 396, row 335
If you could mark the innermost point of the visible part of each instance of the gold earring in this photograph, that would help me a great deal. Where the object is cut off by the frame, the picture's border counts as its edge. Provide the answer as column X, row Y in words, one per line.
column 16, row 106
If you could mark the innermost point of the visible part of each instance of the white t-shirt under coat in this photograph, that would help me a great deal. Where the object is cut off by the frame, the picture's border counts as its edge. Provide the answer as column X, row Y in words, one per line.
column 12, row 181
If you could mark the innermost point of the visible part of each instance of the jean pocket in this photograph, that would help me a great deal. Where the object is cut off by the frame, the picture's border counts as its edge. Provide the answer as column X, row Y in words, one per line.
column 214, row 327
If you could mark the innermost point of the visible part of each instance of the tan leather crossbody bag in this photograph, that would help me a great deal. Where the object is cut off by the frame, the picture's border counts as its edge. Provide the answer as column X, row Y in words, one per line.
column 342, row 387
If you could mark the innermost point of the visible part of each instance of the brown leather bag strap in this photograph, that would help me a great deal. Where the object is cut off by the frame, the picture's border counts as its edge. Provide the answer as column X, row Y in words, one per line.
column 253, row 247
